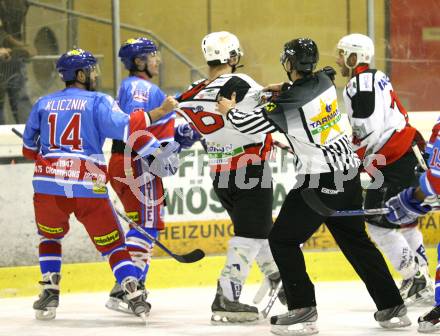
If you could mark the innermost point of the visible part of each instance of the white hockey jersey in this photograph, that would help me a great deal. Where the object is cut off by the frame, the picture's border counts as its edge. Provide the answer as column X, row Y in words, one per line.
column 225, row 145
column 379, row 120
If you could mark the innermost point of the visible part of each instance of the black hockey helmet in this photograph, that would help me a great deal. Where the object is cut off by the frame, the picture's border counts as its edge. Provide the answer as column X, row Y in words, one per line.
column 302, row 54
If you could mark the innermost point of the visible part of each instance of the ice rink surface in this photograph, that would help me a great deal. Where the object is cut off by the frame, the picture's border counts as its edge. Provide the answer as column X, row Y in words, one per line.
column 343, row 308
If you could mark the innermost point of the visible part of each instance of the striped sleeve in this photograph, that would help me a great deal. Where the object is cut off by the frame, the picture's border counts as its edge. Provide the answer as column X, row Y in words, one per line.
column 253, row 122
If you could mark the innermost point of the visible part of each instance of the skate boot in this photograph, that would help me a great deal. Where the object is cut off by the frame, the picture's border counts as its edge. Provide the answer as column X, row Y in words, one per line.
column 135, row 298
column 430, row 321
column 416, row 289
column 300, row 321
column 225, row 311
column 47, row 303
column 117, row 300
column 394, row 317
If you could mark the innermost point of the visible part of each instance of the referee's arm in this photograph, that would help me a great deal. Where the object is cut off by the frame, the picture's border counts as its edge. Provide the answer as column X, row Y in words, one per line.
column 253, row 122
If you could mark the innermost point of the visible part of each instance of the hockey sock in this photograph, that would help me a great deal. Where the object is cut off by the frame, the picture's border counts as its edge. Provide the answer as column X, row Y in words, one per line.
column 240, row 256
column 140, row 249
column 265, row 260
column 121, row 264
column 393, row 244
column 49, row 252
column 415, row 240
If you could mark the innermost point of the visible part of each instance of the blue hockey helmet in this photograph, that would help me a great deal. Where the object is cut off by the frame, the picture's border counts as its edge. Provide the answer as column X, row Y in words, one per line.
column 73, row 60
column 135, row 47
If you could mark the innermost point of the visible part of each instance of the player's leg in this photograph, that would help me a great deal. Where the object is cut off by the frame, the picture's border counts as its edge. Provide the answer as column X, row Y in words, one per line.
column 389, row 238
column 369, row 264
column 414, row 238
column 430, row 321
column 100, row 221
column 248, row 211
column 295, row 223
column 133, row 199
column 52, row 219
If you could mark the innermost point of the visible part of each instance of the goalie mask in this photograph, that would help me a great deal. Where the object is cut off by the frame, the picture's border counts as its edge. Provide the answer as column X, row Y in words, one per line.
column 219, row 47
column 358, row 44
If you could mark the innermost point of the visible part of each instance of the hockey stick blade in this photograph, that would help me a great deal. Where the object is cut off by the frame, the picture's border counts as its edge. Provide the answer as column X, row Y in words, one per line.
column 188, row 258
column 314, row 202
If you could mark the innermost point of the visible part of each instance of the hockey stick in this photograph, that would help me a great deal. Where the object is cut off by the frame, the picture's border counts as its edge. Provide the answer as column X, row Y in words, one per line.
column 313, row 201
column 272, row 300
column 190, row 257
column 17, row 132
column 419, row 156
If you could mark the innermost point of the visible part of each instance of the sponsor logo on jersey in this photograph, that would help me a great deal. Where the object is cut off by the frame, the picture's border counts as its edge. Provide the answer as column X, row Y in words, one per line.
column 133, row 215
column 270, row 107
column 107, row 239
column 140, row 96
column 51, row 230
column 383, row 82
column 329, row 191
column 99, row 188
column 326, row 120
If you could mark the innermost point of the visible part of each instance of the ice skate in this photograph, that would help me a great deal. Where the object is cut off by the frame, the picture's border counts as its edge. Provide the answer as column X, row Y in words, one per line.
column 300, row 321
column 225, row 311
column 135, row 298
column 430, row 321
column 45, row 307
column 394, row 317
column 118, row 302
column 416, row 289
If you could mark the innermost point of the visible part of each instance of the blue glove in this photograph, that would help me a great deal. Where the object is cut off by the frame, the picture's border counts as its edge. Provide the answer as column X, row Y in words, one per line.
column 405, row 209
column 186, row 136
column 166, row 162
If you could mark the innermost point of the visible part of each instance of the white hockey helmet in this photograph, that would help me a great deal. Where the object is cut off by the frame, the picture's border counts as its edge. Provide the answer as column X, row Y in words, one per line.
column 220, row 46
column 358, row 44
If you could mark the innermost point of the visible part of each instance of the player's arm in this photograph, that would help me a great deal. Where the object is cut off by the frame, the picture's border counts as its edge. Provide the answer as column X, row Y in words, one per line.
column 412, row 202
column 252, row 122
column 31, row 134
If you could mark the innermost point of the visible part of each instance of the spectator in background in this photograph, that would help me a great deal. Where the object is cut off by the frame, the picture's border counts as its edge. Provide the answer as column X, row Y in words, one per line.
column 13, row 55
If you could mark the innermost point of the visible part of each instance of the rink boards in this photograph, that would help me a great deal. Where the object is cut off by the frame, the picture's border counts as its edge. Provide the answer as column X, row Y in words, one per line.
column 194, row 219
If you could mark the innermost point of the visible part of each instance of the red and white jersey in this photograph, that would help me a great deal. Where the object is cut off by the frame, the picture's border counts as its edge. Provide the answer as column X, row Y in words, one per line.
column 379, row 120
column 226, row 146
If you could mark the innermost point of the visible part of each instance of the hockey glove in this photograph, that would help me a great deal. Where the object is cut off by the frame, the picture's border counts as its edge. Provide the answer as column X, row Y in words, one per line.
column 405, row 209
column 165, row 161
column 186, row 136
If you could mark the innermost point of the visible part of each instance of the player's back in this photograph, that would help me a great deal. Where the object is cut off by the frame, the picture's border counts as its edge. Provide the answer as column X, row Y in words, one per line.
column 69, row 123
column 137, row 93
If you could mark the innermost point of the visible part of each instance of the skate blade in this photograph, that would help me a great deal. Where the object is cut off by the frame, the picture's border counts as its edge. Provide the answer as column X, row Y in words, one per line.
column 118, row 305
column 224, row 318
column 304, row 328
column 143, row 317
column 45, row 315
column 396, row 322
column 425, row 295
column 428, row 327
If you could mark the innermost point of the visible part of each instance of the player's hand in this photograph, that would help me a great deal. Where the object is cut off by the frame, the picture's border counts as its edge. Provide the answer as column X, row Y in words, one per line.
column 169, row 104
column 224, row 104
column 273, row 87
column 165, row 161
column 5, row 54
column 186, row 136
column 405, row 209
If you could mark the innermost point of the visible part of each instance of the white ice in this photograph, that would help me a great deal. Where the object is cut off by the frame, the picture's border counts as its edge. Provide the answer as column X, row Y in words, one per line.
column 343, row 309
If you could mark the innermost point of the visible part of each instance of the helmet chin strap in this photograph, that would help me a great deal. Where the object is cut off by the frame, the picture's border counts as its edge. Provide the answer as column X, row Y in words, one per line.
column 236, row 66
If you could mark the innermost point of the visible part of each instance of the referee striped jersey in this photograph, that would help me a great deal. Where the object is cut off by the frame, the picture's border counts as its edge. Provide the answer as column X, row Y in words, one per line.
column 307, row 114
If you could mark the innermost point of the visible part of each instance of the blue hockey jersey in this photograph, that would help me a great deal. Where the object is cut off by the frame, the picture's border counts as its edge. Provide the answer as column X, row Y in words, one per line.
column 65, row 133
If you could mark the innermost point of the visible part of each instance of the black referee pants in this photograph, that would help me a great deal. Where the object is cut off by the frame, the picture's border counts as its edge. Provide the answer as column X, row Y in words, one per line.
column 297, row 222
